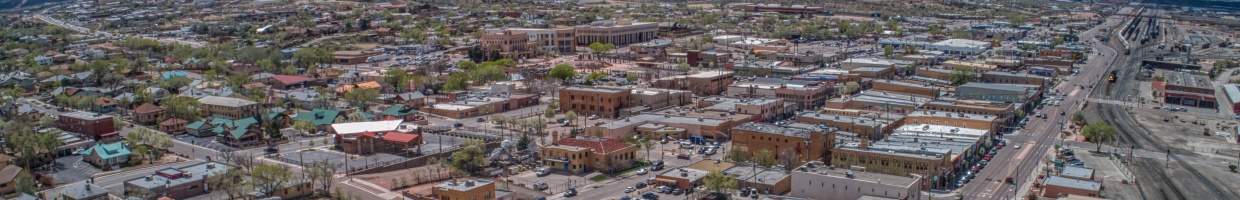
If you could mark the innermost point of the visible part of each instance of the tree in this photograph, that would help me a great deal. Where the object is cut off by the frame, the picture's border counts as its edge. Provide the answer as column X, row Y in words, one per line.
column 320, row 175
column 888, row 51
column 595, row 76
column 361, row 97
column 397, row 78
column 1098, row 133
column 570, row 116
column 311, row 57
column 763, row 158
column 1078, row 118
column 24, row 183
column 600, row 48
column 562, row 71
column 456, row 81
column 232, row 182
column 183, row 107
column 550, row 111
column 717, row 182
column 962, row 75
column 304, row 126
column 470, row 159
column 269, row 178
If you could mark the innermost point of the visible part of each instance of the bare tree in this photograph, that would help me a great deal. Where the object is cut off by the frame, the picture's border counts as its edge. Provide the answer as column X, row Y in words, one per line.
column 320, row 175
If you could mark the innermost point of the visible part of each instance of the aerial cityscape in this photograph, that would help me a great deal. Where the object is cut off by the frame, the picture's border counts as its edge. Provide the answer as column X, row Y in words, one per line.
column 619, row 99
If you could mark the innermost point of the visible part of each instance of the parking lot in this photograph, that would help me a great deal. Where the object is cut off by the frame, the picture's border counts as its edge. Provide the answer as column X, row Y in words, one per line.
column 338, row 159
column 206, row 142
column 434, row 143
column 71, row 169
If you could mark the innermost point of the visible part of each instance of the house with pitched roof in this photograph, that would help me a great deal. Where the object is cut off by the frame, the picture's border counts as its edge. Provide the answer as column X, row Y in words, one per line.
column 289, row 81
column 321, row 118
column 390, row 136
column 147, row 113
column 107, row 156
column 241, row 132
column 579, row 155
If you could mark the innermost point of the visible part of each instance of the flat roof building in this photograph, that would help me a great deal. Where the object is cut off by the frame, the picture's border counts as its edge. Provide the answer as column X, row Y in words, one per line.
column 816, row 180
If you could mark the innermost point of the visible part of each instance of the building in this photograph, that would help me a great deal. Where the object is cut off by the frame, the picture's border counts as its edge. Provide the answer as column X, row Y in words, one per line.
column 1183, row 88
column 94, row 125
column 780, row 8
column 289, row 81
column 765, row 180
column 1005, row 112
column 1079, row 173
column 655, row 98
column 390, row 136
column 939, row 152
column 988, row 123
column 560, row 40
column 173, row 126
column 715, row 125
column 886, row 103
column 616, row 32
column 816, row 180
column 83, row 191
column 1009, row 93
column 107, row 156
column 148, row 114
column 908, row 88
column 7, row 177
column 705, row 83
column 1013, row 78
column 471, row 189
column 1233, row 96
column 579, row 155
column 352, row 57
column 803, row 94
column 506, row 43
column 482, row 103
column 790, row 144
column 1057, row 186
column 682, row 178
column 233, row 108
column 243, row 132
column 176, row 183
column 766, row 109
column 868, row 127
column 600, row 101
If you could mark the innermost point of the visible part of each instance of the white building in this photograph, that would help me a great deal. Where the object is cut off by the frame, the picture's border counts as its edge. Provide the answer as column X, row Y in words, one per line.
column 816, row 180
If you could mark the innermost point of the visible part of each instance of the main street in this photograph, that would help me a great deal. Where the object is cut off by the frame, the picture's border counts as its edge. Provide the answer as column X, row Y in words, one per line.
column 1021, row 164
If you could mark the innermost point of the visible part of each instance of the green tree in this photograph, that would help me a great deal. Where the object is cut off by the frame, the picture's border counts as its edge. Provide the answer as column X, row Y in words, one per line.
column 562, row 71
column 888, row 51
column 764, row 158
column 361, row 97
column 1098, row 133
column 24, row 183
column 550, row 111
column 595, row 76
column 600, row 48
column 717, row 182
column 570, row 116
column 311, row 57
column 469, row 159
column 456, row 81
column 269, row 177
column 183, row 107
column 962, row 75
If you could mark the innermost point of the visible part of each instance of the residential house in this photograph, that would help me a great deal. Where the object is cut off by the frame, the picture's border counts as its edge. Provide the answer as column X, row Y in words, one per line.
column 107, row 155
column 147, row 114
column 578, row 155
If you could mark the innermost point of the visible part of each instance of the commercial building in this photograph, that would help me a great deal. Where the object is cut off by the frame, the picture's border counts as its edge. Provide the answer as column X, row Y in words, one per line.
column 682, row 178
column 506, row 43
column 790, row 144
column 176, row 183
column 763, row 180
column 766, row 109
column 601, row 101
column 1079, row 173
column 949, row 46
column 1013, row 78
column 472, row 189
column 779, row 8
column 621, row 32
column 886, row 103
column 482, row 103
column 803, row 94
column 1005, row 112
column 1008, row 93
column 85, row 190
column 365, row 138
column 1183, row 88
column 94, row 125
column 232, row 108
column 695, row 128
column 1056, row 186
column 242, row 132
column 1233, row 96
column 579, row 155
column 816, row 180
column 935, row 151
column 902, row 87
column 988, row 123
column 868, row 127
column 705, row 83
column 655, row 98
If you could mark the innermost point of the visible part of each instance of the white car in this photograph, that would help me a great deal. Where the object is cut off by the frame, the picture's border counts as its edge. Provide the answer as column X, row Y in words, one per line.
column 641, row 171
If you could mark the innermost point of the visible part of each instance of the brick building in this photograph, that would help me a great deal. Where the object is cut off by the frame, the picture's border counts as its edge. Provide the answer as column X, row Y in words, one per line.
column 579, row 155
column 233, row 108
column 616, row 32
column 601, row 101
column 702, row 83
column 472, row 189
column 93, row 125
column 791, row 144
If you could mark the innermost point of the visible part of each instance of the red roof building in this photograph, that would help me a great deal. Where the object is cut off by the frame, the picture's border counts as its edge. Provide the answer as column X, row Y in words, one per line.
column 580, row 155
column 387, row 142
column 147, row 113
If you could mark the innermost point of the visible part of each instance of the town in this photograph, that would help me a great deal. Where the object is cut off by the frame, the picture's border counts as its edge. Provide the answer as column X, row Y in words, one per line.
column 619, row 99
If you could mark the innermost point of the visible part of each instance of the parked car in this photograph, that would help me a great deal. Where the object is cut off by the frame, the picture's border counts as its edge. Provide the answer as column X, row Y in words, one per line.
column 540, row 186
column 571, row 192
column 650, row 196
column 629, row 189
column 641, row 171
column 542, row 172
column 640, row 185
column 656, row 165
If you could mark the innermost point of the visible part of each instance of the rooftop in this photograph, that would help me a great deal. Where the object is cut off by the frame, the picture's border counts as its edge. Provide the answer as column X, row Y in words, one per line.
column 757, row 175
column 598, row 145
column 225, row 101
column 1077, row 172
column 171, row 177
column 685, row 173
column 1186, row 79
column 464, row 186
column 372, row 126
column 769, row 128
column 598, row 89
column 83, row 115
column 1073, row 183
column 819, row 168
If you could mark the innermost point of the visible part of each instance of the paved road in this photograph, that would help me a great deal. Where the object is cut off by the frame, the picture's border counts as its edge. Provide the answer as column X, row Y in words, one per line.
column 1041, row 135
